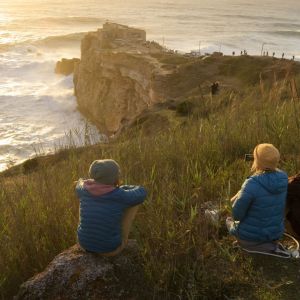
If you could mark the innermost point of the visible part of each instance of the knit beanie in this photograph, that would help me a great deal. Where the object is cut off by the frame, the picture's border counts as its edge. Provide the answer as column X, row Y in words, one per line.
column 266, row 157
column 105, row 171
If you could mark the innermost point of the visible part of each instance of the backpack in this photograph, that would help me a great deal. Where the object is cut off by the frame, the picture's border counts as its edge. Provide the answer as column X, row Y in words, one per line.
column 293, row 203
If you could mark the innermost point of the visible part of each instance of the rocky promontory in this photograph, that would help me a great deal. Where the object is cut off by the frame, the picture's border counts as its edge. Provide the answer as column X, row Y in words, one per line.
column 121, row 76
column 117, row 78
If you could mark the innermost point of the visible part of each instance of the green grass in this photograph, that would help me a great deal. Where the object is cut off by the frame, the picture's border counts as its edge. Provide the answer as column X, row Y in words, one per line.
column 183, row 167
column 170, row 58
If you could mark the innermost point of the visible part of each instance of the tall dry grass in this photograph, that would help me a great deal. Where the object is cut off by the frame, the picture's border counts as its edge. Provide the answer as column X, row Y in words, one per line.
column 185, row 257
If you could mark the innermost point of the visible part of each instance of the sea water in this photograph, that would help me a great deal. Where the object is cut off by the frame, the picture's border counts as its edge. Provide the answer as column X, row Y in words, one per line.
column 37, row 107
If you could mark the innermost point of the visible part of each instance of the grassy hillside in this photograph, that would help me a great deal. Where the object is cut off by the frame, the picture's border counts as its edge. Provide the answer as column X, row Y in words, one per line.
column 186, row 154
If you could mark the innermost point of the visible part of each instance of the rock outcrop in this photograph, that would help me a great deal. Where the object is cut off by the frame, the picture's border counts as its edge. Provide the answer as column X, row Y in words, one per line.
column 66, row 66
column 117, row 77
column 76, row 274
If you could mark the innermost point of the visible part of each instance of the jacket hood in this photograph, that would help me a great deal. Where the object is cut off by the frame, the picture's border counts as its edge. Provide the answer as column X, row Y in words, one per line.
column 94, row 188
column 274, row 182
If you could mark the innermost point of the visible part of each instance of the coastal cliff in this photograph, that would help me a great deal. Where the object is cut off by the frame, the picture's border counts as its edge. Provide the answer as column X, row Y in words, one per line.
column 121, row 76
column 117, row 78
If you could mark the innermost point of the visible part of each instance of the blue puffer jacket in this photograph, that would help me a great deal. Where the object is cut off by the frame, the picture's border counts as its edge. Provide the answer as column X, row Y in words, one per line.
column 260, row 207
column 100, row 223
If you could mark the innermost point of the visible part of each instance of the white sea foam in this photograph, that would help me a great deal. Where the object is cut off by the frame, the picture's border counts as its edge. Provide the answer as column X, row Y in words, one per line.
column 38, row 108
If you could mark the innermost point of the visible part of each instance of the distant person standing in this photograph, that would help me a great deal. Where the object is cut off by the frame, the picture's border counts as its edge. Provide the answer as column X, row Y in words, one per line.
column 214, row 88
column 233, row 53
column 273, row 54
column 282, row 56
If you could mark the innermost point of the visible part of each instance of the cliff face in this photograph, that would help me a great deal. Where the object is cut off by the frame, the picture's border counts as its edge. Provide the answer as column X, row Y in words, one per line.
column 117, row 78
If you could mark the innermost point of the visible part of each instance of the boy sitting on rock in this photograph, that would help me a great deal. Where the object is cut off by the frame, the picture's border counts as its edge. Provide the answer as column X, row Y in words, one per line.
column 107, row 210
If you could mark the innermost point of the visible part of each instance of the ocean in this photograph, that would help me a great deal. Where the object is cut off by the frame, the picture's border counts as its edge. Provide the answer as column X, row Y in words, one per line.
column 37, row 107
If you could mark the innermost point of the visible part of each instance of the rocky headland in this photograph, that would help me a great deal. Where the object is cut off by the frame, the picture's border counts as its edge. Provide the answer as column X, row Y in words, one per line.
column 121, row 76
column 117, row 78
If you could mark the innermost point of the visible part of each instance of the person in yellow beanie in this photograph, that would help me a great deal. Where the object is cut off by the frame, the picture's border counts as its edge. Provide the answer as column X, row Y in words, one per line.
column 258, row 208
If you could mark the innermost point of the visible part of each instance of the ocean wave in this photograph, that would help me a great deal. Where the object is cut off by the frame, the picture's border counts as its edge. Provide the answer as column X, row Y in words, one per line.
column 72, row 39
column 27, row 68
column 70, row 20
column 257, row 18
column 185, row 17
column 285, row 33
column 59, row 21
column 286, row 25
column 56, row 40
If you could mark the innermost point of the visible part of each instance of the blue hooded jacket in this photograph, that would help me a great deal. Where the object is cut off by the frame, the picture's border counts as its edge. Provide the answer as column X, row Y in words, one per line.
column 100, row 226
column 260, row 207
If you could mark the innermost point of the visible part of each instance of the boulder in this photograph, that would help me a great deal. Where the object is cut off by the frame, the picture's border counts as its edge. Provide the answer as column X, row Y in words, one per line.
column 66, row 66
column 76, row 274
